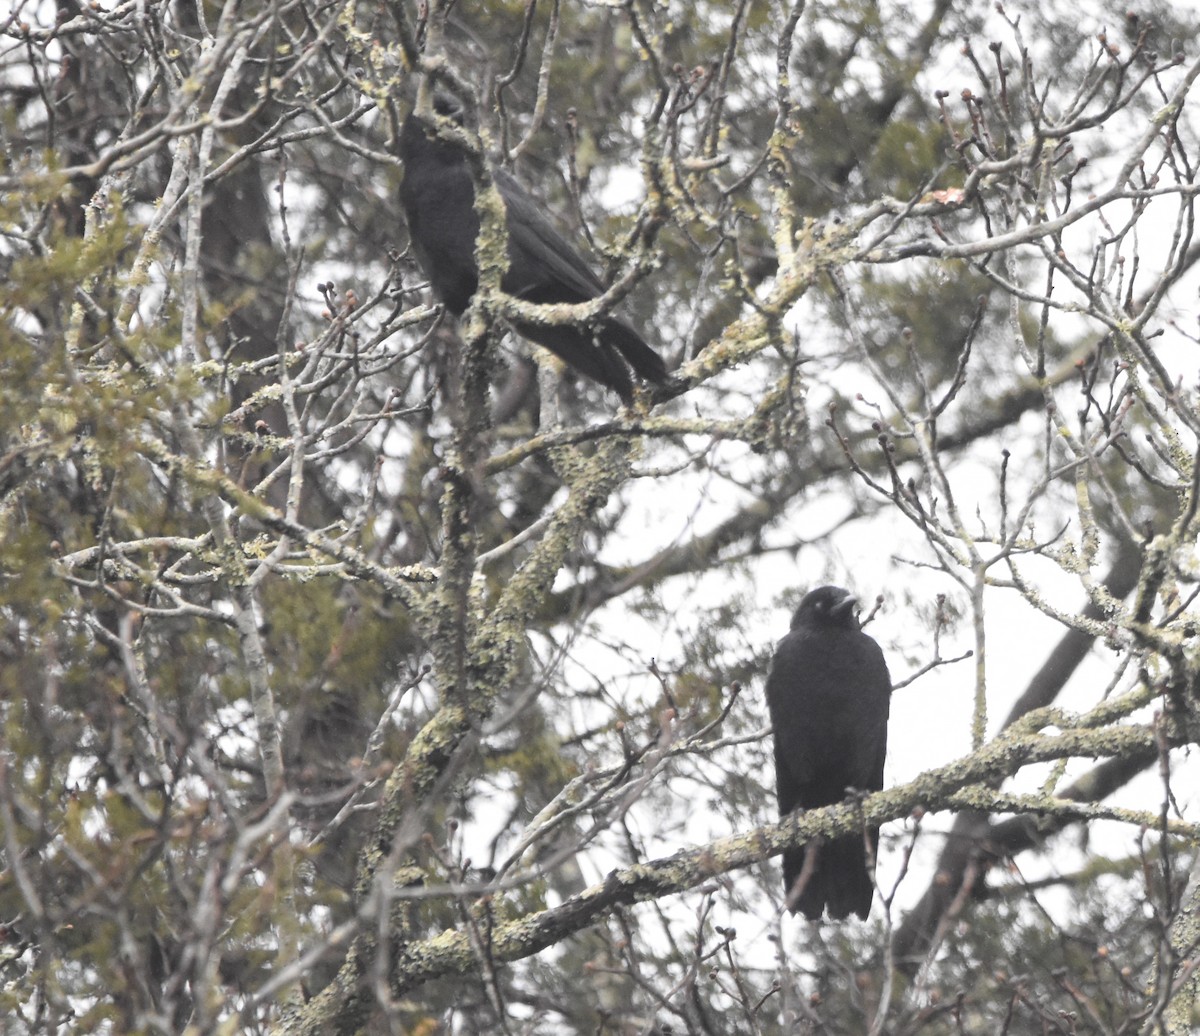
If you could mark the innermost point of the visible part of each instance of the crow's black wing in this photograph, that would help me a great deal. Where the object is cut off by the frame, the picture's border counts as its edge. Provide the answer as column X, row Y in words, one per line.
column 542, row 265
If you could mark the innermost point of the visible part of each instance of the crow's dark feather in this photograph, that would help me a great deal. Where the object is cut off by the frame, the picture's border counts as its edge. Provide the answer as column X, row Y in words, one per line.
column 438, row 196
column 828, row 692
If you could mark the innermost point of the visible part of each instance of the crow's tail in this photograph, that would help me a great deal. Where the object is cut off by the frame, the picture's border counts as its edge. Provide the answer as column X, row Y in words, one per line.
column 646, row 363
column 592, row 357
column 840, row 878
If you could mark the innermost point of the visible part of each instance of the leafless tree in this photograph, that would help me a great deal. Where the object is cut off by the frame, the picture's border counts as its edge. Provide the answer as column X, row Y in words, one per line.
column 364, row 670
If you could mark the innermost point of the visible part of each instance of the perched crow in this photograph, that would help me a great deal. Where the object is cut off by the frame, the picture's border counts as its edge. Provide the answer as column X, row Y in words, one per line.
column 828, row 692
column 438, row 196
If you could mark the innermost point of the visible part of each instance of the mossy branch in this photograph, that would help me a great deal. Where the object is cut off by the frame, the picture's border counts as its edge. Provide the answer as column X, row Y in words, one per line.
column 948, row 787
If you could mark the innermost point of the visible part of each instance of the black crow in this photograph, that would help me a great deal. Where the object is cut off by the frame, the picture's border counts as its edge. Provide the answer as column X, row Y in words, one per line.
column 438, row 196
column 828, row 692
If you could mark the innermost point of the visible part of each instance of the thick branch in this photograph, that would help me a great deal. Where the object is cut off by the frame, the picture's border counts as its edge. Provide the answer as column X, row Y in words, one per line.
column 451, row 953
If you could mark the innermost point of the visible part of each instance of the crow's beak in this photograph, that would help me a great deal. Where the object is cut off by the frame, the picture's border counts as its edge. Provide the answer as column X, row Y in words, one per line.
column 844, row 607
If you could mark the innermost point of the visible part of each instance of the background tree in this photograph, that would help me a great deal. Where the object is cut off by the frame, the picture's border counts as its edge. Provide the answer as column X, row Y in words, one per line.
column 363, row 669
